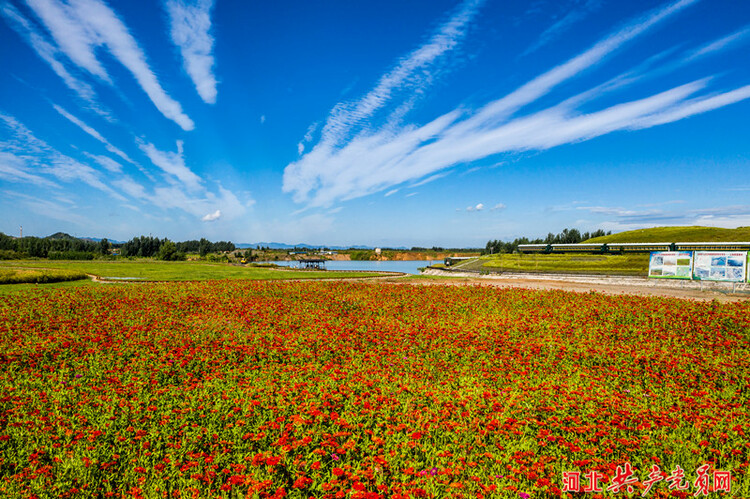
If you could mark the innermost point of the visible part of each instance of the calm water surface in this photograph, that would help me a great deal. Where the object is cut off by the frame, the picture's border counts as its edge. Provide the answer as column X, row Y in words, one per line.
column 406, row 266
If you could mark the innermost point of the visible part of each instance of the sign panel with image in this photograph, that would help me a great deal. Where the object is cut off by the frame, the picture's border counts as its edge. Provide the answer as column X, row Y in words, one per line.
column 670, row 264
column 720, row 266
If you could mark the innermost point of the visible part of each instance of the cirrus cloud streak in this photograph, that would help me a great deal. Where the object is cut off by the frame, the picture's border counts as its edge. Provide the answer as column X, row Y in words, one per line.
column 383, row 158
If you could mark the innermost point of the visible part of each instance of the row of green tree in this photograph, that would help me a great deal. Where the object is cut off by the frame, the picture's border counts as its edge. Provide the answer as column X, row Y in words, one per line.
column 53, row 247
column 62, row 246
column 164, row 249
column 567, row 236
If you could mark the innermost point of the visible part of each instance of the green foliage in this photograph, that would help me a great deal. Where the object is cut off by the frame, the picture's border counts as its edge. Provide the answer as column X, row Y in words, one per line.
column 141, row 246
column 40, row 247
column 567, row 236
column 38, row 276
column 632, row 264
column 70, row 255
column 6, row 254
column 168, row 252
column 104, row 247
column 204, row 246
column 362, row 255
column 155, row 270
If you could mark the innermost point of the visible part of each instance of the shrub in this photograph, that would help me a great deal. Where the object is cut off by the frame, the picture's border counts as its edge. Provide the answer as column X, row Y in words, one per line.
column 70, row 255
column 11, row 255
column 39, row 276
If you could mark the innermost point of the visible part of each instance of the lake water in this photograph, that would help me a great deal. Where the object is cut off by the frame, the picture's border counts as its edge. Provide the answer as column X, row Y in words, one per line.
column 406, row 266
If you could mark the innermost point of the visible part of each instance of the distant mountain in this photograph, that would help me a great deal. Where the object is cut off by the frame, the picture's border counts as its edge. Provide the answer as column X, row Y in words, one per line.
column 64, row 235
column 272, row 245
column 60, row 235
column 97, row 239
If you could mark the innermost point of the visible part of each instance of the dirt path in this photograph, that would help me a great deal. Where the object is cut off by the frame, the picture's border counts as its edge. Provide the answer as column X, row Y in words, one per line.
column 689, row 290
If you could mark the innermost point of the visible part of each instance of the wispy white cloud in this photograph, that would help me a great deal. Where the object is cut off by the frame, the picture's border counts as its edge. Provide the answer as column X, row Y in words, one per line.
column 205, row 205
column 478, row 207
column 190, row 26
column 735, row 38
column 50, row 209
column 498, row 207
column 105, row 162
column 431, row 178
column 44, row 159
column 620, row 218
column 212, row 216
column 81, row 27
column 310, row 131
column 380, row 159
column 307, row 138
column 51, row 55
column 186, row 190
column 693, row 107
column 89, row 130
column 73, row 37
column 663, row 203
column 542, row 85
column 130, row 187
column 575, row 14
column 26, row 158
column 14, row 169
column 229, row 206
column 412, row 71
column 173, row 164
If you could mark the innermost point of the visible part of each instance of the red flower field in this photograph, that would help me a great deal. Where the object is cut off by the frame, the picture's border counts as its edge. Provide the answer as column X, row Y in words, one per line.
column 260, row 389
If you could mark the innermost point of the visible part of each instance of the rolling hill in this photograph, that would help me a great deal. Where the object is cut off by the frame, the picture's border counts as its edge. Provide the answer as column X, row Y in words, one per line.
column 676, row 234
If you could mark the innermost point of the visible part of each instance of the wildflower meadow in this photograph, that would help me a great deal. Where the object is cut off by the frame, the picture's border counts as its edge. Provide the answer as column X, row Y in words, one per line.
column 360, row 390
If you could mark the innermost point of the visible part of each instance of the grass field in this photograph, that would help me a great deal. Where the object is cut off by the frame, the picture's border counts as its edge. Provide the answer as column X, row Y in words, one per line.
column 677, row 234
column 154, row 270
column 15, row 275
column 343, row 389
column 636, row 264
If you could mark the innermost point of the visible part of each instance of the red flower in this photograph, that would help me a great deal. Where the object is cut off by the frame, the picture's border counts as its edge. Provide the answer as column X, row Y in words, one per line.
column 302, row 482
column 237, row 479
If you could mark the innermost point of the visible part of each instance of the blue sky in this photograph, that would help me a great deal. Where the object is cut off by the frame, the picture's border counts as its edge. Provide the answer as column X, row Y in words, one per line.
column 383, row 123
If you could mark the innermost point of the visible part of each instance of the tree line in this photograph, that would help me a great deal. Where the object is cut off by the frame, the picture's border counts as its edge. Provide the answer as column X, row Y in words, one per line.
column 149, row 246
column 58, row 246
column 567, row 236
column 61, row 246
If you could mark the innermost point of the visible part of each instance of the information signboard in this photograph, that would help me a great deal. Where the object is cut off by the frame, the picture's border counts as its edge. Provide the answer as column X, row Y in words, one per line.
column 670, row 264
column 720, row 266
